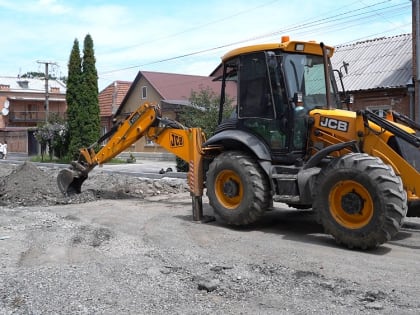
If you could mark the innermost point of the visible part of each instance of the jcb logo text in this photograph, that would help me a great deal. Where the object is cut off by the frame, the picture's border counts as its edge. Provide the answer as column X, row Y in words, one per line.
column 335, row 124
column 176, row 140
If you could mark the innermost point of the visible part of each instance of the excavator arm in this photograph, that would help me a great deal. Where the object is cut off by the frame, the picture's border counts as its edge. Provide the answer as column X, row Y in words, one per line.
column 186, row 143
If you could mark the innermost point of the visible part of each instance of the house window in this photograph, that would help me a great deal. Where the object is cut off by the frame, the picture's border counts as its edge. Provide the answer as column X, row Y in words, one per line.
column 143, row 92
column 379, row 110
column 104, row 130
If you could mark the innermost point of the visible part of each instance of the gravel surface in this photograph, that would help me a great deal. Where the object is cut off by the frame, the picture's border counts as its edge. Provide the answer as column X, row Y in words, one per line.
column 128, row 245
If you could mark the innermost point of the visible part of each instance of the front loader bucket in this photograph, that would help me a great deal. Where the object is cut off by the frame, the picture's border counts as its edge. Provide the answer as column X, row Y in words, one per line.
column 70, row 181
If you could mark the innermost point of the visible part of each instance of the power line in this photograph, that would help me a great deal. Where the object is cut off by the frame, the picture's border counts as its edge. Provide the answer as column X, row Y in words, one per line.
column 340, row 18
column 382, row 16
column 351, row 16
column 198, row 26
column 349, row 23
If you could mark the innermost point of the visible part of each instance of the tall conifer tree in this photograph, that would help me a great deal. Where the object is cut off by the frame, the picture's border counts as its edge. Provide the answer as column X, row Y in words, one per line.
column 83, row 113
column 74, row 83
column 90, row 104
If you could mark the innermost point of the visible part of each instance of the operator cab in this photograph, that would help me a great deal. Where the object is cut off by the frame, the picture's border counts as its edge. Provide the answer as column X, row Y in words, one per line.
column 277, row 87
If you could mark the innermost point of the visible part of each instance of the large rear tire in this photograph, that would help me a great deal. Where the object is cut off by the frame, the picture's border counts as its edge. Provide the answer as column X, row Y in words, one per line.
column 237, row 188
column 360, row 201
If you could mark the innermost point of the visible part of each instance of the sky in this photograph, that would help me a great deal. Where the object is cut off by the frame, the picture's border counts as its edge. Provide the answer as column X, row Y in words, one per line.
column 179, row 36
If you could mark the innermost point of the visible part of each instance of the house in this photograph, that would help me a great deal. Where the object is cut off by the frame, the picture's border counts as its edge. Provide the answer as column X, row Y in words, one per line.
column 23, row 107
column 380, row 73
column 172, row 91
column 110, row 99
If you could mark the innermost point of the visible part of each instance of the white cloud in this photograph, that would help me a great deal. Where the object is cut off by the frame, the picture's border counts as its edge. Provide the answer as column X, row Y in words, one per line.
column 134, row 33
column 53, row 7
column 35, row 7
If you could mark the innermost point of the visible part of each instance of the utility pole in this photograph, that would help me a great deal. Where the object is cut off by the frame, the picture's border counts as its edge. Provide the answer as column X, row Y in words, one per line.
column 416, row 44
column 47, row 93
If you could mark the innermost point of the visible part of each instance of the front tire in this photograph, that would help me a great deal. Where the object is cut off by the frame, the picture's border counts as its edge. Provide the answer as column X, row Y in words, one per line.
column 237, row 188
column 360, row 201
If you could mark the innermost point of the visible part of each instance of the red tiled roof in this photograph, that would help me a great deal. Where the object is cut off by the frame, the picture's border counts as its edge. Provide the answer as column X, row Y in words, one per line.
column 173, row 86
column 177, row 87
column 111, row 97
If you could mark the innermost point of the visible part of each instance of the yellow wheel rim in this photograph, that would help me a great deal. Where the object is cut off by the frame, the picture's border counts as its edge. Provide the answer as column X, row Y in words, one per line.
column 229, row 189
column 351, row 204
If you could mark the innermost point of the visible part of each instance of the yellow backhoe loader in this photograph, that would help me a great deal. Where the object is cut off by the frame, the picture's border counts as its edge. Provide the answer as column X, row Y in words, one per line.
column 289, row 141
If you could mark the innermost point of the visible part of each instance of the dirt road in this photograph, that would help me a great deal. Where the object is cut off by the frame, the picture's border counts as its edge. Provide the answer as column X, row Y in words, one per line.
column 145, row 255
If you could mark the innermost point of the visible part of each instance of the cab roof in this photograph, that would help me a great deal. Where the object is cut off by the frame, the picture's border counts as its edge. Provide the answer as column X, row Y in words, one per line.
column 310, row 47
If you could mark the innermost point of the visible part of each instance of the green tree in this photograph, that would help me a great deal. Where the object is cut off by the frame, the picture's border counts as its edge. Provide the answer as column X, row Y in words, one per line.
column 32, row 74
column 82, row 98
column 74, row 101
column 52, row 136
column 203, row 112
column 90, row 113
column 43, row 135
column 35, row 75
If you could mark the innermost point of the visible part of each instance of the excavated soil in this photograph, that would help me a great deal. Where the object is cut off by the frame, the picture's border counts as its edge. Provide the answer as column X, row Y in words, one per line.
column 30, row 185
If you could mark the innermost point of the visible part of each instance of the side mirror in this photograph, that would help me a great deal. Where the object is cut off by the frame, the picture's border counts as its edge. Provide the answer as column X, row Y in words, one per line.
column 298, row 98
column 349, row 99
column 345, row 66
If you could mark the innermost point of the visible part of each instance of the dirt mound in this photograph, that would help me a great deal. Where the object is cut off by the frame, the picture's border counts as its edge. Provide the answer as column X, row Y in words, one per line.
column 29, row 185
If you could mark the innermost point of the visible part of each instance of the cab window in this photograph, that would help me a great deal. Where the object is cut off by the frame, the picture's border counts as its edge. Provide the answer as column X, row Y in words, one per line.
column 255, row 99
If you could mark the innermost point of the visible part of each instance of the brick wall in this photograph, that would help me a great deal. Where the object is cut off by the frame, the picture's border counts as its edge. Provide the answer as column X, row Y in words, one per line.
column 396, row 99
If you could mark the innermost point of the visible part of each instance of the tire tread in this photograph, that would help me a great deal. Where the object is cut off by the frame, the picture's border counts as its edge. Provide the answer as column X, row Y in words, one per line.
column 392, row 190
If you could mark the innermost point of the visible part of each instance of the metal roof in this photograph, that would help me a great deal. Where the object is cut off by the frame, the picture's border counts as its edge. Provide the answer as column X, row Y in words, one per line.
column 379, row 63
column 33, row 85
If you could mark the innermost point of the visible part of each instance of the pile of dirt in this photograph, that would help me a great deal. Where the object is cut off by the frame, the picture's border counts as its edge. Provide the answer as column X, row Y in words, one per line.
column 30, row 185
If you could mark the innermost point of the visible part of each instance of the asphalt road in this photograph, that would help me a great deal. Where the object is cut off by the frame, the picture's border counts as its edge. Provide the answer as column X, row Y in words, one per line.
column 141, row 168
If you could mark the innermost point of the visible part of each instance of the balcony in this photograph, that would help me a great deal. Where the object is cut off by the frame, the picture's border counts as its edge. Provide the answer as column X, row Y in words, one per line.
column 32, row 116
